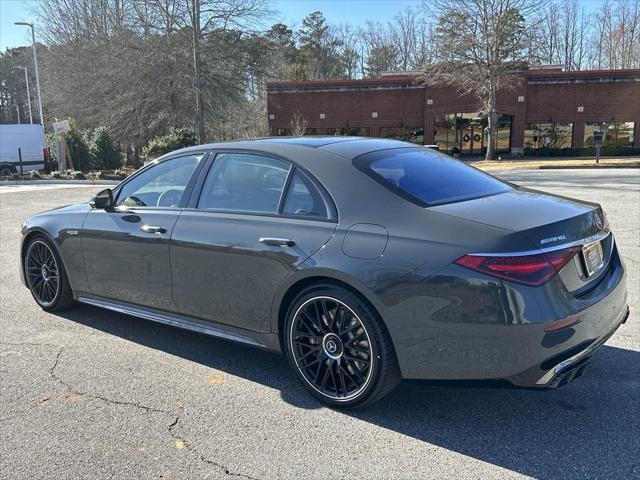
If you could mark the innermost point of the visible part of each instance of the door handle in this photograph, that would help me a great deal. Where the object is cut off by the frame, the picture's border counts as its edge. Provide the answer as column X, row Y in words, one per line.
column 152, row 229
column 277, row 242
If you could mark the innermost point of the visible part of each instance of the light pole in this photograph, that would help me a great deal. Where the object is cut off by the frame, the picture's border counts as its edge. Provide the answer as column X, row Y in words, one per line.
column 26, row 79
column 18, row 112
column 35, row 66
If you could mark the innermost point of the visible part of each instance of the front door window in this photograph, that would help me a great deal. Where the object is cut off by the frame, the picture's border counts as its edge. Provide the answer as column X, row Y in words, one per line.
column 160, row 185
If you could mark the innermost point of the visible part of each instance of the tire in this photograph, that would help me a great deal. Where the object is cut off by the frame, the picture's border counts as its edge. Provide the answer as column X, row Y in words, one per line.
column 339, row 347
column 46, row 276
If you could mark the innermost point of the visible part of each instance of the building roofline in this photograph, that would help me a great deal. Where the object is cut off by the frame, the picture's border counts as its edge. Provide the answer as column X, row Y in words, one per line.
column 406, row 79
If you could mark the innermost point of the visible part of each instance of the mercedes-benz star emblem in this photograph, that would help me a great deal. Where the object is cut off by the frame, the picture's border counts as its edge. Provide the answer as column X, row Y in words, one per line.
column 597, row 220
column 331, row 346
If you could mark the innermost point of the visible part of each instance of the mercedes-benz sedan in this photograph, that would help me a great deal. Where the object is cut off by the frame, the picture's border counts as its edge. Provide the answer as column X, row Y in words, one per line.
column 363, row 260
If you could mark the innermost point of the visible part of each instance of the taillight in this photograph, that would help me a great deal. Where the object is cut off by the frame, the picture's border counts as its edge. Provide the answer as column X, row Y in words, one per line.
column 533, row 270
column 45, row 154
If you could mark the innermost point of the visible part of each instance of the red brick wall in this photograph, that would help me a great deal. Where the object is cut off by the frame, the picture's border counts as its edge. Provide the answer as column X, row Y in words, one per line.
column 348, row 108
column 605, row 96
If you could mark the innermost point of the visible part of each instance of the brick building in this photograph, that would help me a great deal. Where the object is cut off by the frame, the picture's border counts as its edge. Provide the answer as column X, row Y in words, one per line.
column 549, row 109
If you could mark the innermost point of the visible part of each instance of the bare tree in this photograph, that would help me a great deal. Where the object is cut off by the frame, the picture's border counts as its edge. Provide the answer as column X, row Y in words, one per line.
column 482, row 44
column 379, row 51
column 298, row 124
column 616, row 39
column 404, row 35
column 349, row 39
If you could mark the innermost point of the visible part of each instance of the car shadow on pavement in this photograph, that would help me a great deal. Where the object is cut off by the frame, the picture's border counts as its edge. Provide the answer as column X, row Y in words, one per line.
column 588, row 428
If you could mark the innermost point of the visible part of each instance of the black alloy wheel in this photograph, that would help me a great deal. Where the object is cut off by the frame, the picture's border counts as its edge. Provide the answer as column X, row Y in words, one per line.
column 42, row 273
column 340, row 349
column 45, row 276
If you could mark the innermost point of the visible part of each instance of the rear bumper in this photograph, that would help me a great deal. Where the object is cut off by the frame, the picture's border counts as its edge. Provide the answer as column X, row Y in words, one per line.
column 533, row 337
column 568, row 365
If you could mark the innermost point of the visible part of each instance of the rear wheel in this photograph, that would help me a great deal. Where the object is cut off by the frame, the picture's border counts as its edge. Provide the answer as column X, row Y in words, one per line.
column 46, row 277
column 339, row 347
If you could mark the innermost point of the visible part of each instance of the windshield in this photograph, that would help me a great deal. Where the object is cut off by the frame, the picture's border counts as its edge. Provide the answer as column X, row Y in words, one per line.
column 426, row 177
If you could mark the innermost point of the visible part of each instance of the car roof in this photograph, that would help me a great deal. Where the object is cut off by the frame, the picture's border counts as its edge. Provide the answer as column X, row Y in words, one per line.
column 346, row 147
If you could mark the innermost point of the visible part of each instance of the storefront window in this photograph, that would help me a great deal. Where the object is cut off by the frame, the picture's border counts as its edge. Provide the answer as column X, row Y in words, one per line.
column 465, row 133
column 349, row 131
column 406, row 134
column 446, row 136
column 616, row 134
column 548, row 135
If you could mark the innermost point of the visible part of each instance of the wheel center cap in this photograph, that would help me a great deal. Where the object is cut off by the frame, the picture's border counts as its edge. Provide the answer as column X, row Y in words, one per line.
column 45, row 272
column 332, row 345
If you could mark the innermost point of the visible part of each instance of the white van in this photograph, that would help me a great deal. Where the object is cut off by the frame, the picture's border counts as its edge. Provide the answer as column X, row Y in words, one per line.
column 30, row 139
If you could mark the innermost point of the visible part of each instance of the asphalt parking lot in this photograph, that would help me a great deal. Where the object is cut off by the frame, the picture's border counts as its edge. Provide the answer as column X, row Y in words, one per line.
column 96, row 394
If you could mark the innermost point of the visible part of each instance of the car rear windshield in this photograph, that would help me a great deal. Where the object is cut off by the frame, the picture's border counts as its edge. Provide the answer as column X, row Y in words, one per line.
column 426, row 177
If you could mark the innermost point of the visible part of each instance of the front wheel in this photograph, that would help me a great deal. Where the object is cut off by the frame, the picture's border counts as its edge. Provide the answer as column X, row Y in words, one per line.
column 46, row 276
column 339, row 347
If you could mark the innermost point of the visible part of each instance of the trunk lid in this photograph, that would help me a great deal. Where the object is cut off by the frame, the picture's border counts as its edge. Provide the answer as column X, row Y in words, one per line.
column 546, row 220
column 549, row 222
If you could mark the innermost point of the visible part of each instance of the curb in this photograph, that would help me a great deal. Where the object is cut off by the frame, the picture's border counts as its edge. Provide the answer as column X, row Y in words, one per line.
column 59, row 182
column 585, row 167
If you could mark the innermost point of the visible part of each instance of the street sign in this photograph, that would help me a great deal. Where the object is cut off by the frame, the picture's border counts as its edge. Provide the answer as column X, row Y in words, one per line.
column 61, row 126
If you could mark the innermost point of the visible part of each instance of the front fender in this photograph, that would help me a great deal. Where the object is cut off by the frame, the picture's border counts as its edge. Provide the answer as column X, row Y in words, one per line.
column 63, row 228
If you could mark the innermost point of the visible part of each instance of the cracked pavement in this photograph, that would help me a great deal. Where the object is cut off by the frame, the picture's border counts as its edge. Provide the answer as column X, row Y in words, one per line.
column 95, row 394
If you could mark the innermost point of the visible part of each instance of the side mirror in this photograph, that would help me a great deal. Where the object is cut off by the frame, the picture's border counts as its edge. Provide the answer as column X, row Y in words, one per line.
column 102, row 200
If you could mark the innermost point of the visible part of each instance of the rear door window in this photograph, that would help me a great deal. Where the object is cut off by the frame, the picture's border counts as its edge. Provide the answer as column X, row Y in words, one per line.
column 243, row 182
column 303, row 198
column 426, row 177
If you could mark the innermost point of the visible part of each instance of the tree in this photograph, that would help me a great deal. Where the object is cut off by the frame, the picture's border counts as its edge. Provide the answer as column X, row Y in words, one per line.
column 319, row 48
column 13, row 90
column 298, row 124
column 482, row 47
column 616, row 36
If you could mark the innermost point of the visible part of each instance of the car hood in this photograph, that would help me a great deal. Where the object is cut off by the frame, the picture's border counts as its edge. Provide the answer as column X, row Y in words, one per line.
column 545, row 219
column 75, row 208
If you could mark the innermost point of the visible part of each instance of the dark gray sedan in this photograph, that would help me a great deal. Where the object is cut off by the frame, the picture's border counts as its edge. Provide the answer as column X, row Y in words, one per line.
column 363, row 260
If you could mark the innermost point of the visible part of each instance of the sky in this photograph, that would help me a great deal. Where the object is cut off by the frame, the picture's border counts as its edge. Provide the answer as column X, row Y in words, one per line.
column 290, row 12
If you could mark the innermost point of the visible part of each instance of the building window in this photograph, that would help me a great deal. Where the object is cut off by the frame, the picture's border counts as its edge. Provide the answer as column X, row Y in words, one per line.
column 349, row 132
column 286, row 132
column 548, row 135
column 465, row 133
column 616, row 134
column 406, row 134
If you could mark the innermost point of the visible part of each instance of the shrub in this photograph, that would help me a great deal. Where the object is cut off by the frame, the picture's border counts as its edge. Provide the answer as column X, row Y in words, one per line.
column 582, row 152
column 175, row 139
column 89, row 149
column 78, row 150
column 51, row 141
column 103, row 152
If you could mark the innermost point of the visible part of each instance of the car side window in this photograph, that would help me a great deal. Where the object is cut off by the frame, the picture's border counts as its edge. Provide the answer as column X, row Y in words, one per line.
column 244, row 182
column 303, row 198
column 161, row 185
